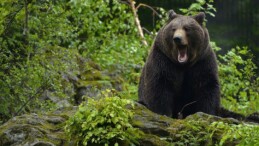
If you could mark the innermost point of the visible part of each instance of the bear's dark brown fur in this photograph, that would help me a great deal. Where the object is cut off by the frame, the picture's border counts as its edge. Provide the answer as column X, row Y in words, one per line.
column 180, row 76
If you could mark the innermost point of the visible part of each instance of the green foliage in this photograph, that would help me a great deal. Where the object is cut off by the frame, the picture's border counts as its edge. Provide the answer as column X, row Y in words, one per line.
column 195, row 133
column 108, row 35
column 33, row 55
column 218, row 133
column 243, row 134
column 27, row 81
column 239, row 83
column 105, row 121
column 36, row 52
column 200, row 5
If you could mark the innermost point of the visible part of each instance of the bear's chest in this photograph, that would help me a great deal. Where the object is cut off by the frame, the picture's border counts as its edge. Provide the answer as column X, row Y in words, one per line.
column 184, row 82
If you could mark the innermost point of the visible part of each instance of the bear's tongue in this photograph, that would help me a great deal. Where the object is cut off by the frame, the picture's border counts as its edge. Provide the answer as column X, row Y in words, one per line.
column 182, row 55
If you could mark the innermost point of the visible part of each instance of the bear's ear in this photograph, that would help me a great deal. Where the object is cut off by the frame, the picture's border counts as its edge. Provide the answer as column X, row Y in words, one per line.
column 199, row 17
column 171, row 15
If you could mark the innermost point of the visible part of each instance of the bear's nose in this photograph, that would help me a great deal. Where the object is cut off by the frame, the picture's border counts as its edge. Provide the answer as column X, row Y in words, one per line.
column 177, row 39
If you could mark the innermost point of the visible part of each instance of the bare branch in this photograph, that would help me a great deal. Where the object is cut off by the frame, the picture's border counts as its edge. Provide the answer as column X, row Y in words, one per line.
column 134, row 10
column 147, row 31
column 151, row 8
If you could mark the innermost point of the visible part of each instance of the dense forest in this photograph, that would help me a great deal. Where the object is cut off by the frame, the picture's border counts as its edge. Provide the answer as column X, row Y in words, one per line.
column 56, row 54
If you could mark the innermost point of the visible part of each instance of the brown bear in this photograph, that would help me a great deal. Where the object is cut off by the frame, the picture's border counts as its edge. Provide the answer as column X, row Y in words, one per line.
column 180, row 76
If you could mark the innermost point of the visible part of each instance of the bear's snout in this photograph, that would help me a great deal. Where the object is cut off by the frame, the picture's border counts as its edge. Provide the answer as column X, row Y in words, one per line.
column 179, row 37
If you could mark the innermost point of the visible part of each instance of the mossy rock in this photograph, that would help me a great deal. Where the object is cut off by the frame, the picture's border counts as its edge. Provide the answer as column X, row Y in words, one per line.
column 93, row 75
column 92, row 82
column 48, row 129
column 196, row 129
column 100, row 84
column 36, row 130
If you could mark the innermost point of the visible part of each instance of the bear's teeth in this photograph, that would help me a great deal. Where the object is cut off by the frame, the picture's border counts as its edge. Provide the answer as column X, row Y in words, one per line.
column 182, row 56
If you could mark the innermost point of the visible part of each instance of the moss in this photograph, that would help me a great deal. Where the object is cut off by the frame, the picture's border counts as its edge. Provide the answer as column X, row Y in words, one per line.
column 197, row 129
column 137, row 123
column 194, row 130
column 99, row 84
column 153, row 140
column 32, row 128
column 91, row 75
column 56, row 139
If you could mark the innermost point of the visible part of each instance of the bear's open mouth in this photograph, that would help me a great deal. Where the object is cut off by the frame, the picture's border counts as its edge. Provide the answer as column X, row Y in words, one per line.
column 182, row 54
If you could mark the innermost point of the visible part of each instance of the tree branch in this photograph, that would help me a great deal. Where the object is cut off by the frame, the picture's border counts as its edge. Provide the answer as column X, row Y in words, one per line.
column 137, row 22
column 151, row 8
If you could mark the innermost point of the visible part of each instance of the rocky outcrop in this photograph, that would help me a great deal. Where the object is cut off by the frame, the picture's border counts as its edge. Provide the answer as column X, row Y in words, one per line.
column 194, row 130
column 36, row 130
column 48, row 129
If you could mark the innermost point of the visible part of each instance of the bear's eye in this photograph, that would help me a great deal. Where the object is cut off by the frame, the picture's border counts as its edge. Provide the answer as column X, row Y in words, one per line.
column 174, row 29
column 187, row 28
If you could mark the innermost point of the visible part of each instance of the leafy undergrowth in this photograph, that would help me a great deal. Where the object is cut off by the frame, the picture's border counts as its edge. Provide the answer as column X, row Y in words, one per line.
column 104, row 121
column 239, row 81
column 244, row 134
column 109, row 121
column 219, row 133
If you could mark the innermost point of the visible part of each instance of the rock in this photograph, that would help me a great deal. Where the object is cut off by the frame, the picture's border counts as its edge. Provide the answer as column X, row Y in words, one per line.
column 90, row 81
column 93, row 81
column 36, row 130
column 48, row 129
column 59, row 101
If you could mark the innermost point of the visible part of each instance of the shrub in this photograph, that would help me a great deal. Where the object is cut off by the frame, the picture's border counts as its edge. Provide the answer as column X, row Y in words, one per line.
column 243, row 134
column 219, row 133
column 200, row 5
column 238, row 80
column 105, row 121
